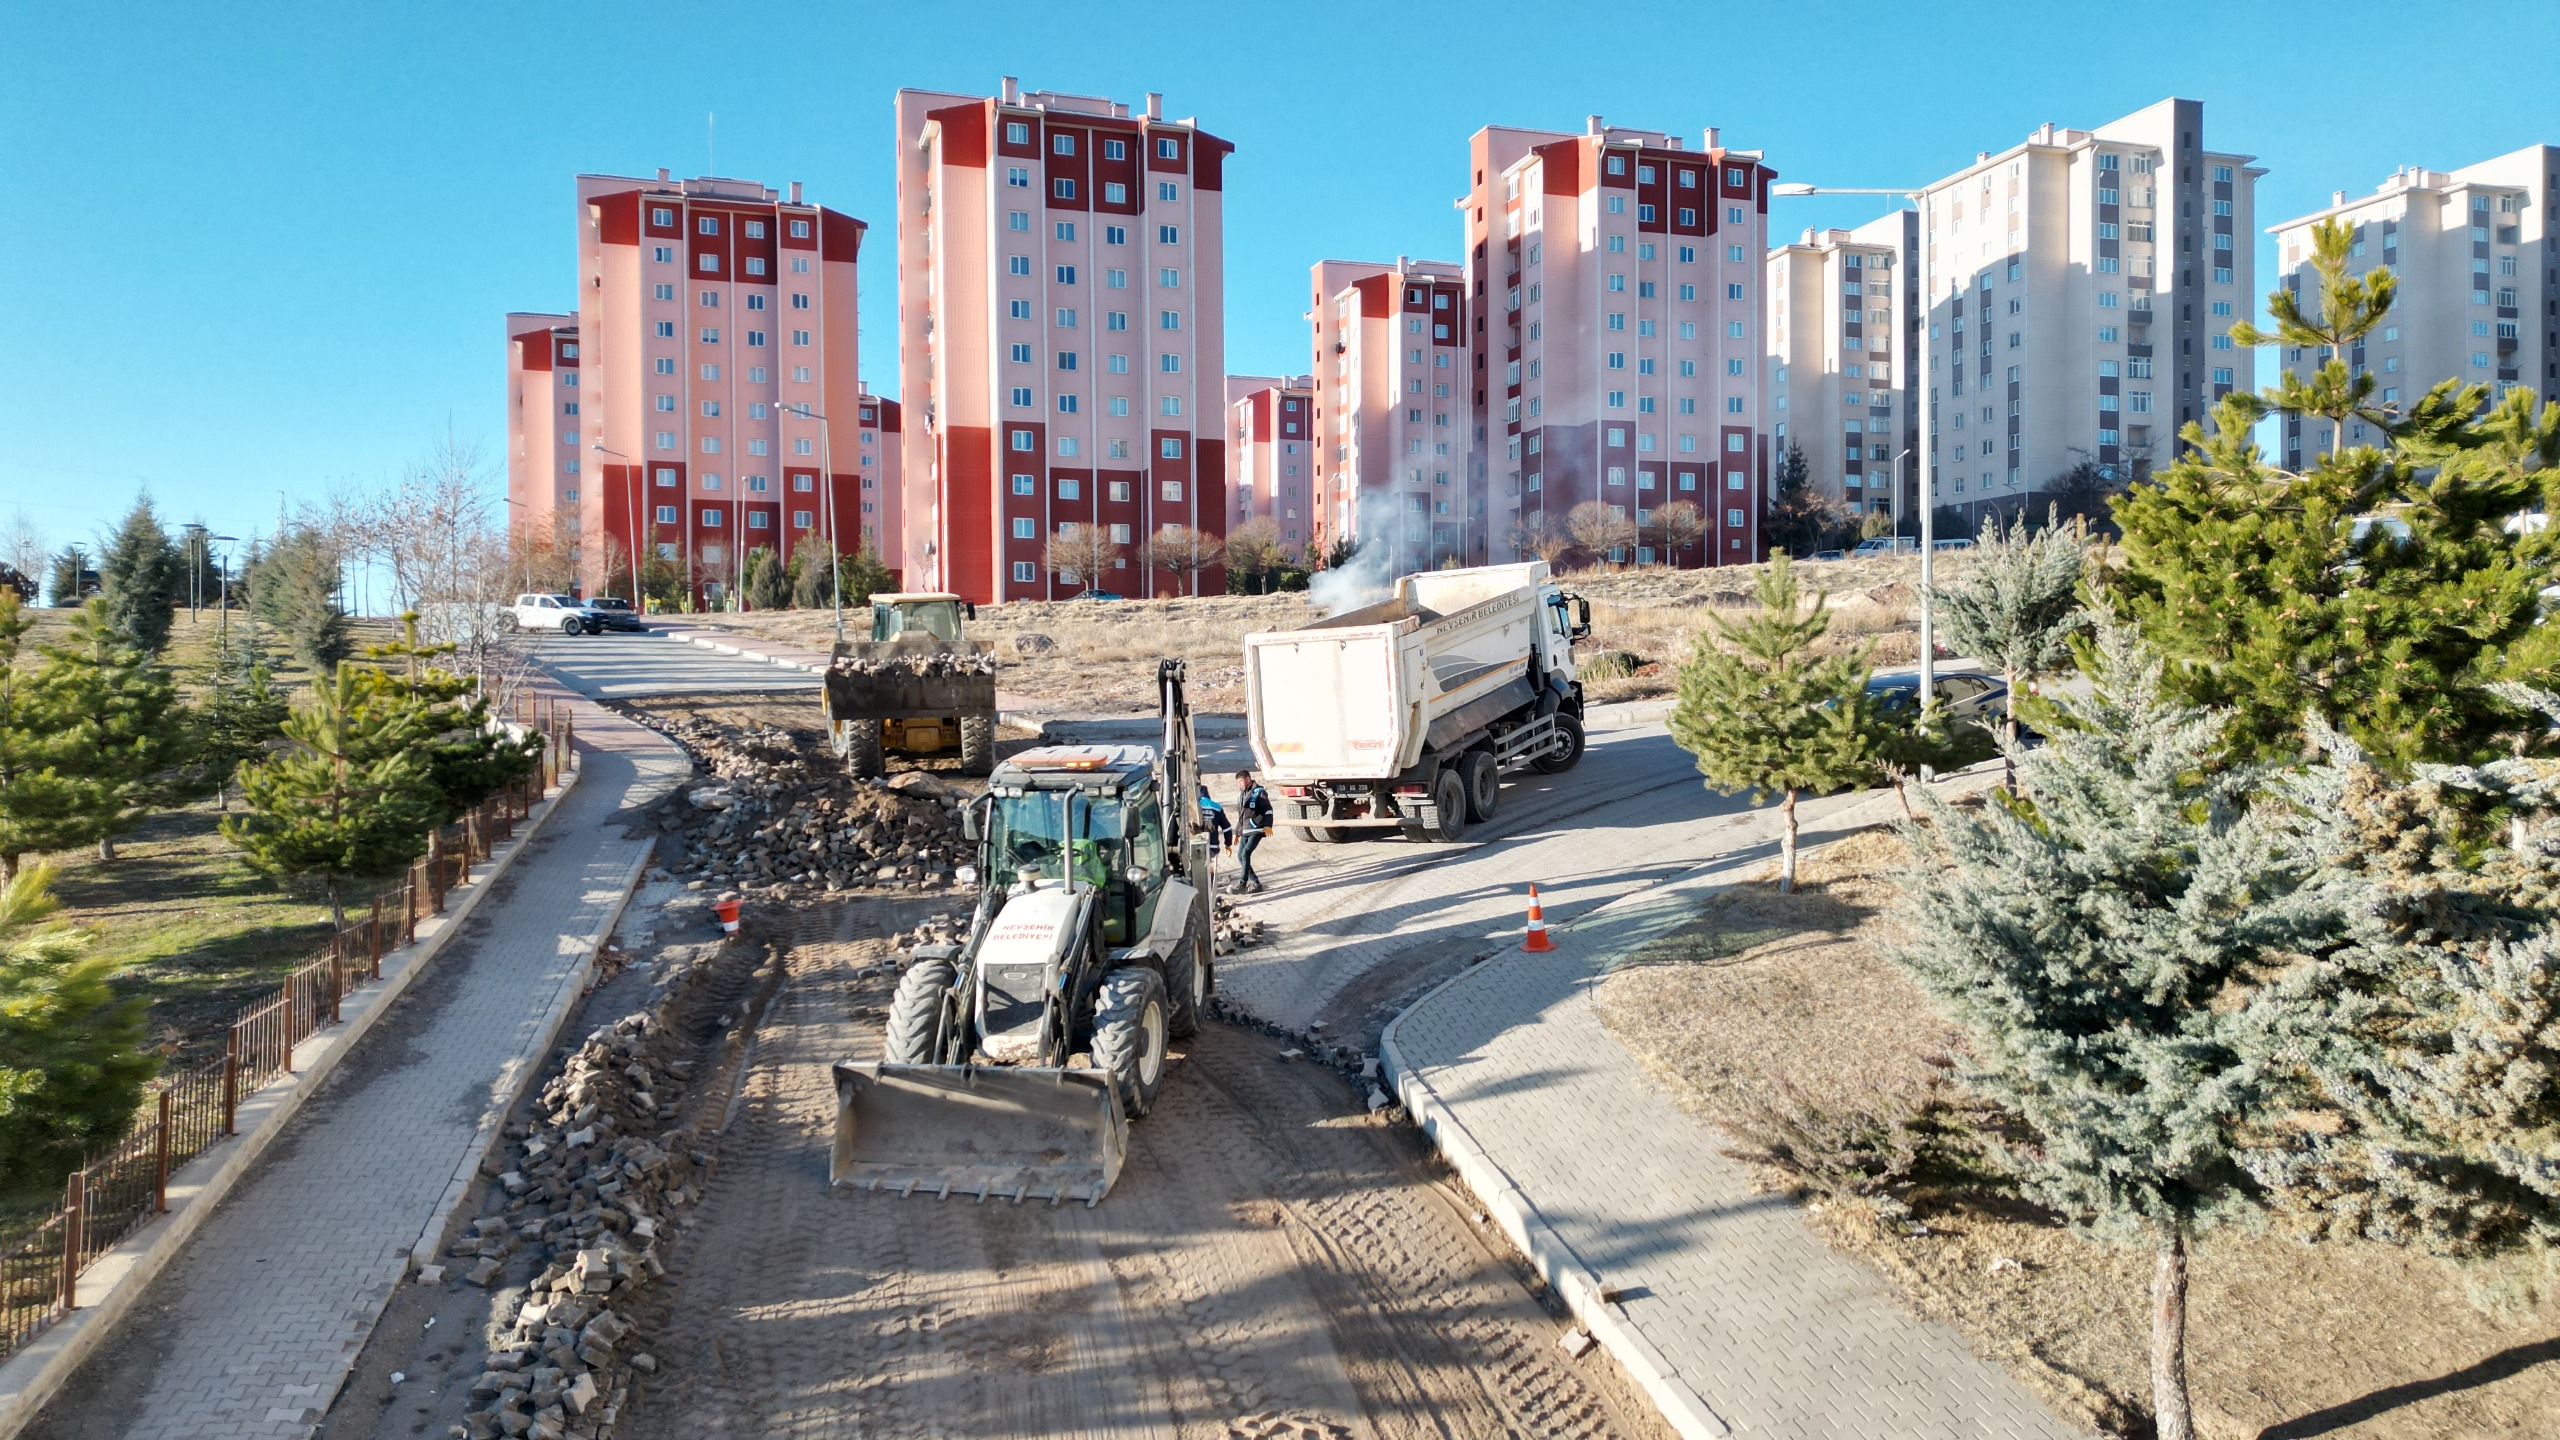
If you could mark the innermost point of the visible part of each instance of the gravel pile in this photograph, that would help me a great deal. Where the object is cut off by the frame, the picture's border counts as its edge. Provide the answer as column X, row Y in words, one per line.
column 931, row 665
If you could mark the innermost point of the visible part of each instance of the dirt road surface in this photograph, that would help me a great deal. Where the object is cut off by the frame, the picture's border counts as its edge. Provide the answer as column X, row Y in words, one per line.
column 1274, row 1261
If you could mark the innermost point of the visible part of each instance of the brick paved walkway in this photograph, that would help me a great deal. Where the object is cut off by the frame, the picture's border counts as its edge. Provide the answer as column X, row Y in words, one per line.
column 250, row 1332
column 1757, row 1327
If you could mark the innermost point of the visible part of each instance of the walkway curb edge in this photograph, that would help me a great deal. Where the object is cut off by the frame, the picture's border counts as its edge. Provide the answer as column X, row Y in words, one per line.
column 125, row 1272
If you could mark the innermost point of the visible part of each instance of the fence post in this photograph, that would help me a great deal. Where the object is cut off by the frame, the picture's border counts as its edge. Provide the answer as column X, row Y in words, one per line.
column 160, row 1180
column 337, row 987
column 409, row 906
column 435, row 868
column 373, row 937
column 75, row 1201
column 231, row 1084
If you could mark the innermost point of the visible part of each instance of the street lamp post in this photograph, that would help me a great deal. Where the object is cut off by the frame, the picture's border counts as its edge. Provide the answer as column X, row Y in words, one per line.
column 638, row 606
column 222, row 582
column 827, row 483
column 1920, row 382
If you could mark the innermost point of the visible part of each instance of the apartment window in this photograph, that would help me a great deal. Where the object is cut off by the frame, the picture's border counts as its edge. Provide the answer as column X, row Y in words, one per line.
column 1115, row 320
column 1115, row 150
column 1168, row 319
column 1168, row 234
column 666, row 403
column 1067, row 404
column 1022, row 397
column 1733, row 292
column 1024, row 440
column 1617, row 359
column 1017, row 132
column 1066, row 319
column 1019, row 220
column 1617, row 204
column 1169, row 448
column 1115, row 235
column 800, row 374
column 667, row 513
column 1169, row 363
column 666, row 365
column 666, row 329
column 1119, row 364
column 1025, row 528
column 710, row 409
column 755, row 267
column 1024, row 573
column 1018, row 177
column 1733, row 329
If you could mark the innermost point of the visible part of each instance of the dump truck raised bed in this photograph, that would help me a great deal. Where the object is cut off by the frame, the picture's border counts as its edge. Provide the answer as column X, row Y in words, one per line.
column 1403, row 715
column 916, row 687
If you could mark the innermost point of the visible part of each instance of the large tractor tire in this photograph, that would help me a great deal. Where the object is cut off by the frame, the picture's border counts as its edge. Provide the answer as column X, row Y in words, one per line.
column 916, row 1014
column 1192, row 974
column 1132, row 1021
column 1563, row 757
column 1484, row 784
column 862, row 758
column 1444, row 816
column 977, row 744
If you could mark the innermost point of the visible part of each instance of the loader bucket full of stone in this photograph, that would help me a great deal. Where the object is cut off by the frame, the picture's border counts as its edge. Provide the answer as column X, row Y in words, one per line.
column 984, row 1131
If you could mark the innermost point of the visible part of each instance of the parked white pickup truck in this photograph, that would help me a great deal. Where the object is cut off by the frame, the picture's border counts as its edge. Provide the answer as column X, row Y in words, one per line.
column 564, row 613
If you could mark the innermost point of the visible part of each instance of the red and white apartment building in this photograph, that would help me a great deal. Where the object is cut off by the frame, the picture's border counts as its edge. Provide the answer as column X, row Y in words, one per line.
column 1062, row 344
column 706, row 399
column 1614, row 283
column 1271, row 453
column 1395, row 428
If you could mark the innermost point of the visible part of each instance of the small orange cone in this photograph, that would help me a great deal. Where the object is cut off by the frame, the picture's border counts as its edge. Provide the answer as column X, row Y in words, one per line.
column 727, row 910
column 1536, row 942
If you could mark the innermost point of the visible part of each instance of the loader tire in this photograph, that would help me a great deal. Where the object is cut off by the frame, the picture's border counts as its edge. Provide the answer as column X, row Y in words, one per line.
column 916, row 1014
column 977, row 744
column 862, row 749
column 1484, row 784
column 1565, row 756
column 1445, row 818
column 1192, row 975
column 1131, row 1023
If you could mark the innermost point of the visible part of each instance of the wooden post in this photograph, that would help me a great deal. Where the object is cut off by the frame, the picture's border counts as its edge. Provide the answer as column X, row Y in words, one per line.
column 409, row 905
column 337, row 987
column 231, row 1084
column 75, row 1200
column 435, row 868
column 373, row 937
column 160, row 1179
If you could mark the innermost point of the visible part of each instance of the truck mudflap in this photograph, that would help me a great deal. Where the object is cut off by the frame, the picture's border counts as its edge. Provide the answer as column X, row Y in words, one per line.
column 1017, row 1132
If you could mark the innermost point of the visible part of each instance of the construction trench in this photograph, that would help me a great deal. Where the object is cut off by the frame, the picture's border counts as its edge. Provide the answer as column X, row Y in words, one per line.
column 658, row 1252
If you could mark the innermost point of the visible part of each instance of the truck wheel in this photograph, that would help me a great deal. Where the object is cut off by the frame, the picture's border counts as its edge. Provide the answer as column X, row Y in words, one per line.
column 1563, row 757
column 915, row 1014
column 1319, row 834
column 862, row 749
column 1445, row 818
column 1484, row 784
column 977, row 744
column 1131, row 1022
column 1192, row 975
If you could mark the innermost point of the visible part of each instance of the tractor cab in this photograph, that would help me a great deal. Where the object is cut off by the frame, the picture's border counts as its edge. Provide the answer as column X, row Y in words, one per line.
column 934, row 613
column 1082, row 818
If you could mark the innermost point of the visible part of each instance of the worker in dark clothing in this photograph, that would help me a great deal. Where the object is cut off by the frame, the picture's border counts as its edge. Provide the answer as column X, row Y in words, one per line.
column 1253, row 825
column 1214, row 823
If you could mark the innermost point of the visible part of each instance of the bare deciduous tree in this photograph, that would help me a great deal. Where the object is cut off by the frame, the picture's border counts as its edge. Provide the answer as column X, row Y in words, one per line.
column 1255, row 548
column 1596, row 528
column 1183, row 553
column 1536, row 535
column 1674, row 528
column 1082, row 554
column 22, row 545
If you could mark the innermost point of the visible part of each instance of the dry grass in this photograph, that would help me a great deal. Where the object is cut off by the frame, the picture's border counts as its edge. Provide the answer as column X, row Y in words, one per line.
column 1767, row 992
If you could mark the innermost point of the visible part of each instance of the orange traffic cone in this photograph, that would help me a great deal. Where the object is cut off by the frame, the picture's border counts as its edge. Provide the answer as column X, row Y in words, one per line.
column 727, row 911
column 1536, row 942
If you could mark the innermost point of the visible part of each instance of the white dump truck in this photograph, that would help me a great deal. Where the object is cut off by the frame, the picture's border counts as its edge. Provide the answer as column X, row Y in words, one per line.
column 1404, row 714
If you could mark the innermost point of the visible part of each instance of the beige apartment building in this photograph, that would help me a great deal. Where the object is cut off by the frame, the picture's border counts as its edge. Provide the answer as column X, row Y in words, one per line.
column 1062, row 345
column 1844, row 321
column 2478, row 296
column 1271, row 453
column 1616, row 342
column 1394, row 431
column 2082, row 287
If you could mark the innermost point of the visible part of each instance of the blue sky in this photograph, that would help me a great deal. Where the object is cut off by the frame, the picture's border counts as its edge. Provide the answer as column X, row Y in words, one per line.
column 258, row 248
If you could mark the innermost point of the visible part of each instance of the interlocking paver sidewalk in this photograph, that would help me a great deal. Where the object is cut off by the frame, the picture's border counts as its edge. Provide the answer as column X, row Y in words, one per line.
column 1745, row 1311
column 252, row 1329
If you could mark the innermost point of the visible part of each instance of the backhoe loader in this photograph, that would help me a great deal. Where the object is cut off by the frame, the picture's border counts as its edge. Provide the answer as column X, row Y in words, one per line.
column 1016, row 1059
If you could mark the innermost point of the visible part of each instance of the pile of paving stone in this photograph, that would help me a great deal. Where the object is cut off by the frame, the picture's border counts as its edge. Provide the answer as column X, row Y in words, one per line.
column 593, row 1185
column 1233, row 929
column 772, row 822
column 930, row 665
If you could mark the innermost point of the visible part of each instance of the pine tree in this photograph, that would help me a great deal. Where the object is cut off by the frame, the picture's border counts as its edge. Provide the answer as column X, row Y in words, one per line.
column 123, row 728
column 2017, row 609
column 441, row 717
column 2094, row 941
column 141, row 580
column 1763, row 713
column 70, row 579
column 347, row 801
column 241, row 716
column 293, row 588
column 1801, row 518
column 40, row 807
column 72, row 1066
column 2427, row 1034
column 2385, row 588
column 766, row 587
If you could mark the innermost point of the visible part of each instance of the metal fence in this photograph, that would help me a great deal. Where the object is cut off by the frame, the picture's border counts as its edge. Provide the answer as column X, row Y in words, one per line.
column 124, row 1185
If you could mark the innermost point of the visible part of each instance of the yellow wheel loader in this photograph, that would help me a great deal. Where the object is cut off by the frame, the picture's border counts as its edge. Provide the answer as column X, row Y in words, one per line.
column 1017, row 1058
column 916, row 687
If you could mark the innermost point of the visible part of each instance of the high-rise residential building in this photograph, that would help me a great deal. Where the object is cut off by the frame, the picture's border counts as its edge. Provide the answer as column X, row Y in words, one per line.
column 1616, row 340
column 1844, row 321
column 1271, row 453
column 717, row 381
column 2081, row 290
column 547, row 469
column 1062, row 333
column 2479, row 283
column 1393, row 416
column 880, row 427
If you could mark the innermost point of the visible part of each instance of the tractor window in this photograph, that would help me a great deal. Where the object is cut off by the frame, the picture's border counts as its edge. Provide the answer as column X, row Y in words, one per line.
column 1040, row 834
column 940, row 618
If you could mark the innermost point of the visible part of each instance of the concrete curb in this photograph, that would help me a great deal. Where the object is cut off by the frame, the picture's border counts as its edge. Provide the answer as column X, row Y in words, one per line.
column 1581, row 1287
column 709, row 641
column 519, row 1077
column 112, row 1286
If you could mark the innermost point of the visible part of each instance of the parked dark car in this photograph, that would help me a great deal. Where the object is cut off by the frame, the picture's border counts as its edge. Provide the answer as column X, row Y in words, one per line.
column 616, row 613
column 1102, row 595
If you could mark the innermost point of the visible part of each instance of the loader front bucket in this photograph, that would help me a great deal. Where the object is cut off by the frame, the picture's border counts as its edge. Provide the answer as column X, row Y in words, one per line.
column 1015, row 1132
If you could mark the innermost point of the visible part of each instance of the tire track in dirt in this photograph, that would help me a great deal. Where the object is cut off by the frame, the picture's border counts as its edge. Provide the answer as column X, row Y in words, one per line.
column 1273, row 1262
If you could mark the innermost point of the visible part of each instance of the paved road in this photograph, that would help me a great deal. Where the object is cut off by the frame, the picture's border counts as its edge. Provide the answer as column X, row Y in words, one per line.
column 250, row 1331
column 621, row 666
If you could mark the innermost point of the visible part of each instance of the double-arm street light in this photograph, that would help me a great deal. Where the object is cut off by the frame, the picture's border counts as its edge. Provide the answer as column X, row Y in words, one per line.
column 1920, row 384
column 801, row 410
